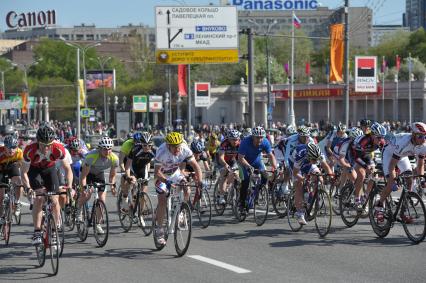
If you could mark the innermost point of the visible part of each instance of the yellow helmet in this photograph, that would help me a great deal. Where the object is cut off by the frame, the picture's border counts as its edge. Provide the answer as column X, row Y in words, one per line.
column 174, row 138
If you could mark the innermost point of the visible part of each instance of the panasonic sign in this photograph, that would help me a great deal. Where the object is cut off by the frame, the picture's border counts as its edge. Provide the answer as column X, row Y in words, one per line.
column 276, row 4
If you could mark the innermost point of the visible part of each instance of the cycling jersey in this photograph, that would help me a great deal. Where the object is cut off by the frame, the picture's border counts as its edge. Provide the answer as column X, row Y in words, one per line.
column 301, row 161
column 36, row 158
column 170, row 163
column 362, row 150
column 140, row 159
column 279, row 151
column 340, row 148
column 229, row 152
column 127, row 146
column 203, row 157
column 212, row 146
column 292, row 143
column 99, row 164
column 60, row 168
column 252, row 154
column 5, row 158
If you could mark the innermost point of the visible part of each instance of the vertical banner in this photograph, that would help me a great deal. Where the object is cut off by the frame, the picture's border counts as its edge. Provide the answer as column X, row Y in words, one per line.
column 365, row 74
column 24, row 98
column 202, row 94
column 336, row 52
column 183, row 90
column 82, row 98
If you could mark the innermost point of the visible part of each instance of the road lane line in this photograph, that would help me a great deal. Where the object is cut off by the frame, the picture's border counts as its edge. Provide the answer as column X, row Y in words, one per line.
column 224, row 265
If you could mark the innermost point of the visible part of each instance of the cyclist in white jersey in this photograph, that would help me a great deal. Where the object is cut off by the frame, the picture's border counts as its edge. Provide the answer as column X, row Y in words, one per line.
column 170, row 157
column 396, row 153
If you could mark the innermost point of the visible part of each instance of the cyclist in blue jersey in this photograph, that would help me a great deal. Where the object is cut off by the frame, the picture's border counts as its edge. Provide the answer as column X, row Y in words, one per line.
column 250, row 158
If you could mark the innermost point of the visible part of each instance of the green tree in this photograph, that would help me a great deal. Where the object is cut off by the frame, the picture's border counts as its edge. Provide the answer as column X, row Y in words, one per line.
column 417, row 44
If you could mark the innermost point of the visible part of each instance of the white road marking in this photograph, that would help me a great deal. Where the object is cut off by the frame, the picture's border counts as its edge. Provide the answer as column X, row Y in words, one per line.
column 224, row 265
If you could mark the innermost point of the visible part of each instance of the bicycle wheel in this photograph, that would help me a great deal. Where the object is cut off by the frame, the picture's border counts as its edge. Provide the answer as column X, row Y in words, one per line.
column 145, row 213
column 261, row 206
column 291, row 213
column 335, row 199
column 100, row 222
column 18, row 217
column 163, row 226
column 219, row 208
column 61, row 232
column 416, row 228
column 236, row 206
column 279, row 200
column 7, row 226
column 69, row 217
column 381, row 229
column 83, row 226
column 323, row 212
column 204, row 208
column 349, row 213
column 53, row 240
column 124, row 215
column 41, row 249
column 182, row 229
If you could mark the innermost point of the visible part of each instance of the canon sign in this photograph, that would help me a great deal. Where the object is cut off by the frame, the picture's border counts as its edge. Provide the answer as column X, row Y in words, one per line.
column 31, row 19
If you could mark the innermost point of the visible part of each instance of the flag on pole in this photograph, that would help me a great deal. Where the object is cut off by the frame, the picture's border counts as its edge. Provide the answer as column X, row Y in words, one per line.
column 296, row 21
column 1, row 95
column 286, row 68
column 24, row 99
column 82, row 98
column 384, row 65
column 182, row 80
column 308, row 69
column 398, row 62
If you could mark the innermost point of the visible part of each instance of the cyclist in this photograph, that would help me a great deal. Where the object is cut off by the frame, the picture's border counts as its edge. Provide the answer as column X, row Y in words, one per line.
column 250, row 158
column 125, row 150
column 11, row 159
column 138, row 163
column 169, row 157
column 306, row 159
column 365, row 125
column 279, row 152
column 212, row 145
column 361, row 154
column 200, row 154
column 227, row 158
column 94, row 167
column 39, row 173
column 338, row 135
column 246, row 133
column 396, row 153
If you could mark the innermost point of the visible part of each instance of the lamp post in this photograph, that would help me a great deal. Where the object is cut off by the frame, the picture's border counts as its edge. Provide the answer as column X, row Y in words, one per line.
column 102, row 62
column 3, row 88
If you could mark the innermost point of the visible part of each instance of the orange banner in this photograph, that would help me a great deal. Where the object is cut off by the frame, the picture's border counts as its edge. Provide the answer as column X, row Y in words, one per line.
column 336, row 52
column 182, row 87
column 24, row 97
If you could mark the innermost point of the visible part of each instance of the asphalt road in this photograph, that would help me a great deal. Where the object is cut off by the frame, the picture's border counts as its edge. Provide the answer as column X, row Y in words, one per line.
column 226, row 251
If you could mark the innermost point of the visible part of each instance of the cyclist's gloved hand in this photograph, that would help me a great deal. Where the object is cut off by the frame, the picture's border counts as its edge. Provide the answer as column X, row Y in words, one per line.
column 250, row 170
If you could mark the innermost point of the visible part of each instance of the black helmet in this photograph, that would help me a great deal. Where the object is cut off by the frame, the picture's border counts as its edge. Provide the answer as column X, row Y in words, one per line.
column 146, row 138
column 314, row 152
column 10, row 142
column 366, row 123
column 45, row 134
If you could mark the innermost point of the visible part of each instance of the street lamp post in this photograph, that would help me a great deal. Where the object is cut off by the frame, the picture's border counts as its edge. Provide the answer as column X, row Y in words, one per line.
column 102, row 62
column 3, row 88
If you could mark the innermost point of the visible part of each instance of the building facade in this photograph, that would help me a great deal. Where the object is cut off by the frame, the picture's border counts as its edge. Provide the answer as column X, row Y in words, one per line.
column 415, row 14
column 381, row 31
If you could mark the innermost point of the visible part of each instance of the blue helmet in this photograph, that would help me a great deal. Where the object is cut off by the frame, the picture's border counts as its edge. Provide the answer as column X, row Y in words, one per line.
column 378, row 130
column 197, row 147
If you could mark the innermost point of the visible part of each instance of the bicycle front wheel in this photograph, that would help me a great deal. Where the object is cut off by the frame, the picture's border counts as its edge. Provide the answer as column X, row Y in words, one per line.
column 414, row 221
column 279, row 200
column 54, row 244
column 291, row 213
column 204, row 208
column 323, row 212
column 7, row 226
column 380, row 228
column 100, row 222
column 182, row 229
column 335, row 199
column 145, row 213
column 219, row 208
column 348, row 211
column 61, row 232
column 83, row 225
column 125, row 215
column 261, row 206
column 41, row 249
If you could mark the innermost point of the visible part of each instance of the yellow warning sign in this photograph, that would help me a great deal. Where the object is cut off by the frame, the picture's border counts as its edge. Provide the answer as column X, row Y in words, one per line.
column 196, row 56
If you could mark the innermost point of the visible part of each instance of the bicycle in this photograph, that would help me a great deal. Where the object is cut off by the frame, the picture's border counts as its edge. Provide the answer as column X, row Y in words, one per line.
column 409, row 210
column 70, row 210
column 97, row 217
column 200, row 202
column 258, row 198
column 317, row 205
column 178, row 220
column 229, row 192
column 49, row 233
column 9, row 204
column 139, row 208
column 277, row 196
column 335, row 189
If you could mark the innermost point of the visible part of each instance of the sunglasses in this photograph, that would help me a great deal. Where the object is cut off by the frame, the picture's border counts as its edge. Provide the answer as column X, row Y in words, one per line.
column 45, row 144
column 423, row 137
column 106, row 148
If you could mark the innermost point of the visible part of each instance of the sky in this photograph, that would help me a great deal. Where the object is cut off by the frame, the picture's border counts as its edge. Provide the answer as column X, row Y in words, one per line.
column 113, row 13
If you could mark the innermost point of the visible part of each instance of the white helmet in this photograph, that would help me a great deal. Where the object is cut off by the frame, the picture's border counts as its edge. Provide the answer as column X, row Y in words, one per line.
column 418, row 128
column 355, row 132
column 106, row 143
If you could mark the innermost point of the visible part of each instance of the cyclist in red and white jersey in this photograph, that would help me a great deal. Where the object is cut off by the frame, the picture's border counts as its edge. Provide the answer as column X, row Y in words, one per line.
column 40, row 175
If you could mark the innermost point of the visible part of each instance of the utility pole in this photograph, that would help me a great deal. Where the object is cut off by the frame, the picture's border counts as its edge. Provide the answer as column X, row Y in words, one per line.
column 346, row 96
column 251, row 78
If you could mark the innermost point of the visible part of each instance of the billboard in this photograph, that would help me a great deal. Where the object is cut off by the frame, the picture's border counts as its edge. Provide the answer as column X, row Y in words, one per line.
column 94, row 79
column 365, row 74
column 155, row 103
column 202, row 94
column 140, row 103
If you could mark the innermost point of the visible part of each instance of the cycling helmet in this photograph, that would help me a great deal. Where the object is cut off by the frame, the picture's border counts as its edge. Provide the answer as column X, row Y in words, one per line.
column 105, row 143
column 74, row 144
column 247, row 132
column 174, row 138
column 341, row 127
column 304, row 131
column 290, row 130
column 378, row 130
column 45, row 134
column 9, row 129
column 233, row 134
column 355, row 132
column 146, row 138
column 197, row 147
column 365, row 123
column 314, row 152
column 418, row 128
column 258, row 132
column 129, row 135
column 137, row 137
column 10, row 142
